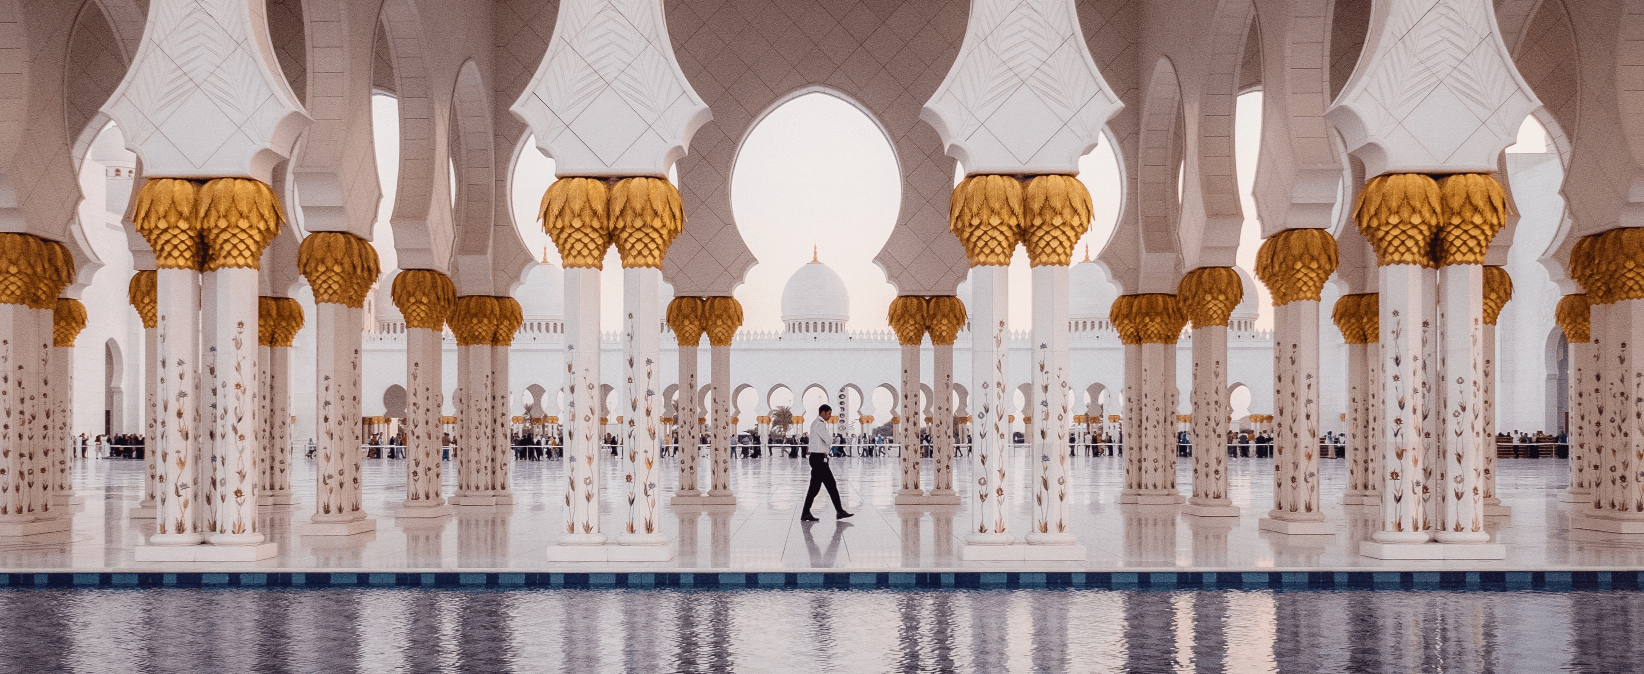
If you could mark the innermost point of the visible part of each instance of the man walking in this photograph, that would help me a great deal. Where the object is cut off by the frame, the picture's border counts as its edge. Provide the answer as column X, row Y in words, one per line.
column 821, row 474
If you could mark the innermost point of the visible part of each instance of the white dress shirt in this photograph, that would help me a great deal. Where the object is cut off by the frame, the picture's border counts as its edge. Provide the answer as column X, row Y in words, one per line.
column 821, row 439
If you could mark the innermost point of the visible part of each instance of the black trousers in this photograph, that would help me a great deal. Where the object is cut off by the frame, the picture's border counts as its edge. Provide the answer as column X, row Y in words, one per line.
column 822, row 476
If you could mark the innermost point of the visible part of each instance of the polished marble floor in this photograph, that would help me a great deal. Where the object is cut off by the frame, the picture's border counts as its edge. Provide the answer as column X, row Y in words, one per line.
column 763, row 532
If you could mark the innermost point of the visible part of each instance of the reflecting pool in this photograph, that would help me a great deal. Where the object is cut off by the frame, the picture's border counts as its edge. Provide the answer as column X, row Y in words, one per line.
column 411, row 630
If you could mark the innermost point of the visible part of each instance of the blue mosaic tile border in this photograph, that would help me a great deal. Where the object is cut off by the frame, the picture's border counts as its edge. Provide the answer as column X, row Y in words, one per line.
column 1498, row 581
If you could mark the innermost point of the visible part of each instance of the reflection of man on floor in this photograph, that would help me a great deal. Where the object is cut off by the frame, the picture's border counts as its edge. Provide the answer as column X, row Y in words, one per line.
column 821, row 474
column 820, row 559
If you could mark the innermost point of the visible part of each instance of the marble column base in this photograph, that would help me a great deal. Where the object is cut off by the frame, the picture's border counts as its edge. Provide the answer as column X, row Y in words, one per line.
column 913, row 498
column 1021, row 552
column 66, row 498
column 1575, row 497
column 50, row 526
column 1609, row 525
column 207, row 553
column 503, row 499
column 1298, row 527
column 349, row 528
column 1197, row 510
column 1151, row 498
column 277, row 499
column 1432, row 551
column 701, row 500
column 473, row 500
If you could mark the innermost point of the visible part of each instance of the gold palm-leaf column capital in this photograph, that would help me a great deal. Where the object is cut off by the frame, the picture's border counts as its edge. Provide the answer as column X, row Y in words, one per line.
column 1398, row 214
column 723, row 316
column 944, row 317
column 56, row 274
column 1498, row 291
column 1574, row 315
column 425, row 297
column 268, row 320
column 143, row 293
column 1370, row 317
column 985, row 213
column 339, row 266
column 1584, row 268
column 165, row 215
column 1296, row 263
column 687, row 317
column 68, row 318
column 907, row 316
column 239, row 218
column 288, row 313
column 1475, row 210
column 1157, row 318
column 575, row 213
column 1623, row 263
column 646, row 216
column 21, row 266
column 475, row 320
column 1123, row 316
column 1348, row 318
column 1055, row 213
column 509, row 317
column 1208, row 295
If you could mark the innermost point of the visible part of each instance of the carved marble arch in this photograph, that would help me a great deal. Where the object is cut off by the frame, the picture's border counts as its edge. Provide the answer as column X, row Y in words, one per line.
column 1093, row 398
column 670, row 400
column 422, row 217
column 1161, row 154
column 1213, row 215
column 483, row 261
column 1299, row 171
column 96, row 62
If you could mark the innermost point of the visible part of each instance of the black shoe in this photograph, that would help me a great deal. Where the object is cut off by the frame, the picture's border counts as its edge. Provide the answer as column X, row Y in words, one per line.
column 807, row 517
column 845, row 515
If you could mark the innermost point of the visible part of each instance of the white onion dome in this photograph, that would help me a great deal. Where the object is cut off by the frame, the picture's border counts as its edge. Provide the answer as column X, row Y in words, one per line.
column 382, row 299
column 1091, row 291
column 542, row 294
column 1246, row 311
column 815, row 300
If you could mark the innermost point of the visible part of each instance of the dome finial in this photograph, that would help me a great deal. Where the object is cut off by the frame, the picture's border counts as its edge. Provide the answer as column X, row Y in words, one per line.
column 1087, row 252
column 545, row 255
column 814, row 259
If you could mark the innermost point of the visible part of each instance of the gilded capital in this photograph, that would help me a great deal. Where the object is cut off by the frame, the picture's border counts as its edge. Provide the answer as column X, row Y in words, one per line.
column 509, row 317
column 907, row 316
column 1498, row 291
column 1370, row 316
column 576, row 215
column 1475, row 209
column 1584, row 268
column 1398, row 214
column 268, row 320
column 1152, row 318
column 1055, row 213
column 1622, row 263
column 1574, row 316
column 687, row 319
column 21, row 258
column 945, row 317
column 288, row 314
column 339, row 266
column 1208, row 295
column 166, row 215
column 723, row 316
column 985, row 212
column 239, row 218
column 1348, row 315
column 56, row 273
column 1296, row 263
column 425, row 297
column 646, row 215
column 143, row 293
column 68, row 318
column 475, row 320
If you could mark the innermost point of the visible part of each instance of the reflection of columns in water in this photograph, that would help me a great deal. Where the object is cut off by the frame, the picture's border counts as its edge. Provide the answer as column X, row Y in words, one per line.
column 719, row 535
column 1148, row 615
column 482, row 536
column 1050, row 632
column 911, row 517
column 424, row 541
column 1210, row 539
column 1150, row 534
column 688, row 516
column 942, row 517
column 1209, row 619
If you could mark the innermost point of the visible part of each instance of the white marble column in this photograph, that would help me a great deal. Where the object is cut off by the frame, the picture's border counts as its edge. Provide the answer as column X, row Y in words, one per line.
column 685, row 419
column 907, row 431
column 641, row 395
column 941, row 431
column 62, row 384
column 424, row 384
column 151, row 423
column 1210, row 410
column 178, row 299
column 475, row 441
column 582, row 455
column 990, row 357
column 338, row 510
column 502, row 408
column 21, row 511
column 1461, row 367
column 1492, row 503
column 1405, row 325
column 277, row 365
column 237, row 444
column 719, row 485
column 1296, row 411
column 1583, row 357
column 1053, row 494
column 1361, row 476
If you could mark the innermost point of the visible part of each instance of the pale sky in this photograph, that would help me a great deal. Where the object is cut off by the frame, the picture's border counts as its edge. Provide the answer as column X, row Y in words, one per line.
column 817, row 171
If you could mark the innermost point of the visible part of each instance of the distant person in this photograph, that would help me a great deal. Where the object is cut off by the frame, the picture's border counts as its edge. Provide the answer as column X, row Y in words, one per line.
column 821, row 474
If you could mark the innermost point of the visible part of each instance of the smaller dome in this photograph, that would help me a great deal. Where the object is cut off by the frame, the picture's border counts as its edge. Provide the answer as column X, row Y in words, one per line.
column 383, row 299
column 815, row 293
column 1091, row 291
column 542, row 294
column 1246, row 311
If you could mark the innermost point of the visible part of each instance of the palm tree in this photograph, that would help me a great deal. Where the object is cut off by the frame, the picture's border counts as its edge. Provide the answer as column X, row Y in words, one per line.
column 782, row 420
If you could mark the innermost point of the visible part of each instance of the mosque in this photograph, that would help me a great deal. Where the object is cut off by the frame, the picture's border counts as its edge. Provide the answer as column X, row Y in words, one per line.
column 196, row 256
